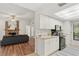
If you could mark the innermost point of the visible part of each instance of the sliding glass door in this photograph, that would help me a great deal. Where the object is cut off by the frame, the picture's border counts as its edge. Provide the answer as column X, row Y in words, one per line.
column 76, row 31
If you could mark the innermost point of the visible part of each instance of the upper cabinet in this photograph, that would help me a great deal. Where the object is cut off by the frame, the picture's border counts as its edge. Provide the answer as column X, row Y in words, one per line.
column 48, row 23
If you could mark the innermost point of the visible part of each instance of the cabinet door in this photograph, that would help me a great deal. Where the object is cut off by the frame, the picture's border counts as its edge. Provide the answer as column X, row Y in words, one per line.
column 47, row 47
column 46, row 22
column 52, row 45
column 56, row 43
column 52, row 24
column 39, row 46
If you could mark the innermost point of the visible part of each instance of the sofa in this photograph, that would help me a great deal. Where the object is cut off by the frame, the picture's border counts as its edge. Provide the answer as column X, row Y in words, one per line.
column 9, row 40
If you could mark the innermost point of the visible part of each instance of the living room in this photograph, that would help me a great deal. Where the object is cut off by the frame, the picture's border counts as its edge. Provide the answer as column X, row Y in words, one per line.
column 17, row 24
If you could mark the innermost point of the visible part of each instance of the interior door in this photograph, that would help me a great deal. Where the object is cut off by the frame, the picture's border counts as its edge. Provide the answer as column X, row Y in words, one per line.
column 28, row 30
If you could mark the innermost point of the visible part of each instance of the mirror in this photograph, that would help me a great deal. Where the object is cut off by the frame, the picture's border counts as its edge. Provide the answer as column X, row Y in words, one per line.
column 12, row 25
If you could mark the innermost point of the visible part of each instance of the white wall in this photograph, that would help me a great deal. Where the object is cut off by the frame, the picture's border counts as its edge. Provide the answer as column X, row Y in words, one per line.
column 22, row 27
column 2, row 28
column 24, row 16
column 74, row 42
column 67, row 30
column 30, row 30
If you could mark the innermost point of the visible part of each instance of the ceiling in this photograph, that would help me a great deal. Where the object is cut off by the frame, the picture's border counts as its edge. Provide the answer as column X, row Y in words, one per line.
column 70, row 13
column 48, row 9
column 31, row 6
column 8, row 9
column 26, row 10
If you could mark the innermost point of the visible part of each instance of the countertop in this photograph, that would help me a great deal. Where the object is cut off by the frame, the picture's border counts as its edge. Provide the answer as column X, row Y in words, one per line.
column 47, row 37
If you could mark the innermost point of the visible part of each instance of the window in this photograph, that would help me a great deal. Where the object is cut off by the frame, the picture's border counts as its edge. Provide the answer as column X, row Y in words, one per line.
column 76, row 31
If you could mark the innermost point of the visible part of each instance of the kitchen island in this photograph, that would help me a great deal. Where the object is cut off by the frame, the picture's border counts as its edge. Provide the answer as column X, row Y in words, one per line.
column 46, row 45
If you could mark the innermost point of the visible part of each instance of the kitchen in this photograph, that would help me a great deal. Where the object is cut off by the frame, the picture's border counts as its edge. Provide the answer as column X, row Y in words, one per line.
column 49, row 38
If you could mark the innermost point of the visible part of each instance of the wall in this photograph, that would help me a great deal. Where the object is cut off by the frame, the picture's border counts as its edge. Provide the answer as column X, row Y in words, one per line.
column 24, row 16
column 30, row 30
column 74, row 42
column 2, row 28
column 67, row 30
column 22, row 27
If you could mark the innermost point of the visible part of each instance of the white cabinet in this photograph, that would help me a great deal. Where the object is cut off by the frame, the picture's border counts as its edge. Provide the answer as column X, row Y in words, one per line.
column 45, row 22
column 47, row 46
column 48, row 23
column 56, row 45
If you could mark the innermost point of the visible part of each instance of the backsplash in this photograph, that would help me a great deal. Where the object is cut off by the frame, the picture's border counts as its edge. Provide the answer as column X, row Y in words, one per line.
column 44, row 32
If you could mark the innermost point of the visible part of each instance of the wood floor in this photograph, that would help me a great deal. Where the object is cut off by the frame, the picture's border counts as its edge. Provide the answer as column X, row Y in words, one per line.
column 18, row 49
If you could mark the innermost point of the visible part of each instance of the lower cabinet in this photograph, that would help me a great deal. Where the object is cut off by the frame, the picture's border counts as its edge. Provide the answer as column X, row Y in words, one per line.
column 47, row 46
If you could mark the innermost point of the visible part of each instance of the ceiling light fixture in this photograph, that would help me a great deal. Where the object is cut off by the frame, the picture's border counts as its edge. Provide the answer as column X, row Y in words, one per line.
column 12, row 17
